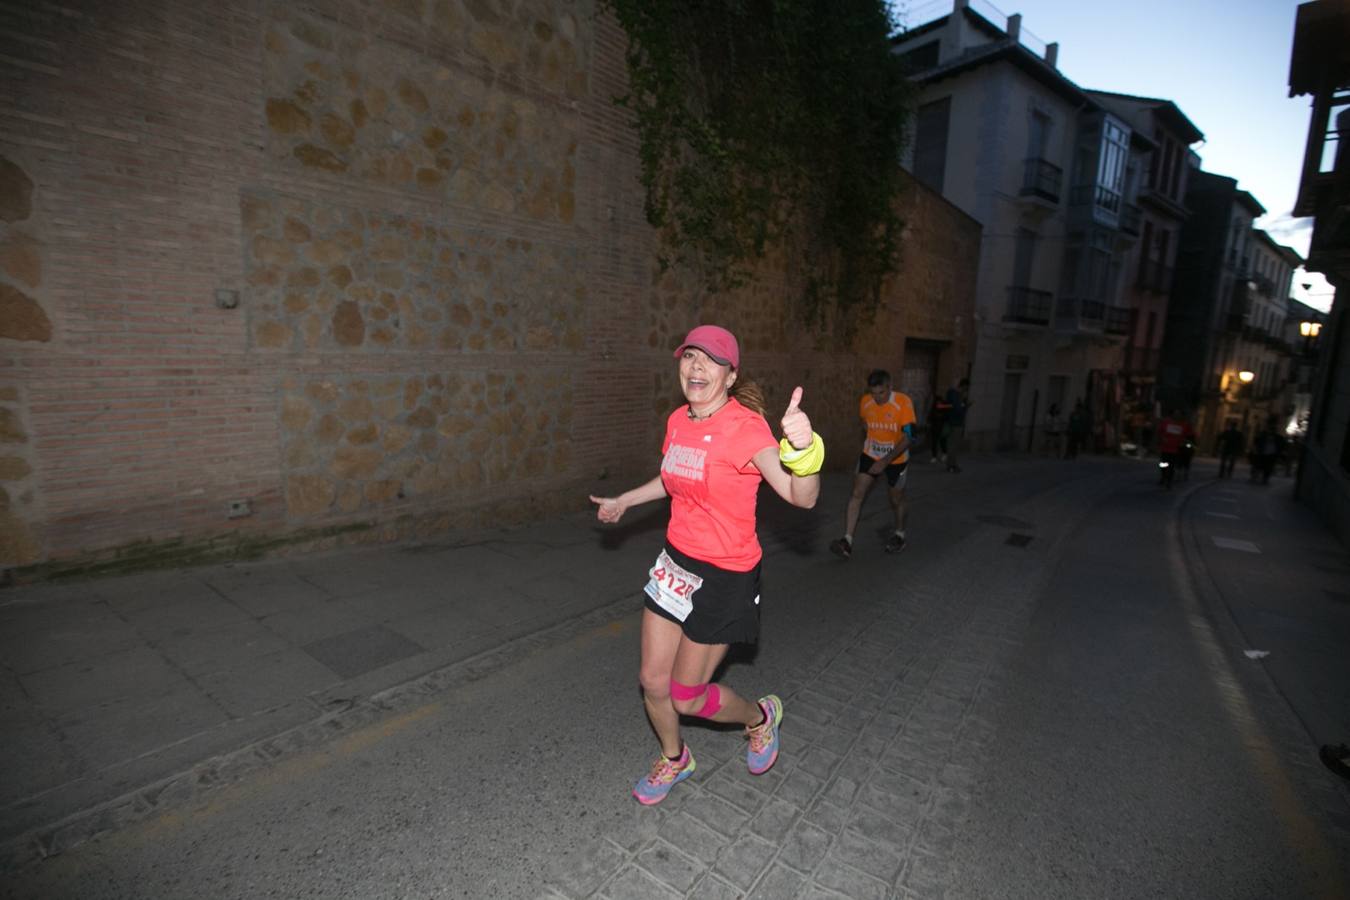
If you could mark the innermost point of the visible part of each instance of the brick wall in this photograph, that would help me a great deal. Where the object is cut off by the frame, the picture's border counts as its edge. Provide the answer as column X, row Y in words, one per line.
column 429, row 211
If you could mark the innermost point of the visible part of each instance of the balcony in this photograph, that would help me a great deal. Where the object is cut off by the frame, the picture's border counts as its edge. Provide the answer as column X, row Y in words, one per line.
column 1027, row 306
column 1154, row 277
column 1130, row 219
column 1164, row 202
column 1041, row 179
column 1079, row 314
column 1117, row 320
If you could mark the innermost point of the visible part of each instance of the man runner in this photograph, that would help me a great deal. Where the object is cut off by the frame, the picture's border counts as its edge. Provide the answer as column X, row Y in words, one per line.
column 888, row 418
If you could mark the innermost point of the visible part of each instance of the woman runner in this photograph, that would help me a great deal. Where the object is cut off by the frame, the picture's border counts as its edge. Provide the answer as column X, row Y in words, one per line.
column 703, row 592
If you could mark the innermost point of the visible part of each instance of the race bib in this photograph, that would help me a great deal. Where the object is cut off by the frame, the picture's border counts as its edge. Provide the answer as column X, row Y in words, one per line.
column 878, row 449
column 672, row 587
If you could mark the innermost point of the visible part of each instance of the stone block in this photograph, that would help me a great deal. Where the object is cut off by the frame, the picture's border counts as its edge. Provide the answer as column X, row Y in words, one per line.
column 21, row 259
column 16, row 192
column 21, row 317
column 273, row 335
column 319, row 158
column 308, row 495
column 349, row 327
column 11, row 429
column 285, row 117
column 14, row 468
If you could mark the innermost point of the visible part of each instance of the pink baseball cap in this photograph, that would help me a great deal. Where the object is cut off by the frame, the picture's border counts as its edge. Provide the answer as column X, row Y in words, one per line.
column 715, row 341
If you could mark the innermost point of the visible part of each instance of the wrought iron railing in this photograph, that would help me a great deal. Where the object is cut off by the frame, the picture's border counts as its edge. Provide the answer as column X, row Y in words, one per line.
column 1041, row 178
column 1027, row 306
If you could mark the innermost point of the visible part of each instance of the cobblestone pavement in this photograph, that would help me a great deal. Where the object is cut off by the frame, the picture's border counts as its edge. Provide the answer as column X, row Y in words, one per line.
column 873, row 782
column 1045, row 696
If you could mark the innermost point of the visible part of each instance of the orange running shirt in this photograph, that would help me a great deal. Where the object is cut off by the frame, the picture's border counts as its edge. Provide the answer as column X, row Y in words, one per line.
column 708, row 470
column 885, row 423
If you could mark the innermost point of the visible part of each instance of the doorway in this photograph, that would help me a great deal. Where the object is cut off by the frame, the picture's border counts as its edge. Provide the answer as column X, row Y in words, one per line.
column 1007, row 421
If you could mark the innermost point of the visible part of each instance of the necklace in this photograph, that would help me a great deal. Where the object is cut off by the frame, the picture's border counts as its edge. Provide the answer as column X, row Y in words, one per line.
column 707, row 415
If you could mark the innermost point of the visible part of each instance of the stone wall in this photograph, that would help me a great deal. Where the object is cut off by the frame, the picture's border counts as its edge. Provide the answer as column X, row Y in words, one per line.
column 271, row 272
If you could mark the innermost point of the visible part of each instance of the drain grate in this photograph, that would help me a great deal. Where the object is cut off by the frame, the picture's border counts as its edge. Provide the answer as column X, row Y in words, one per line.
column 1018, row 540
column 1004, row 521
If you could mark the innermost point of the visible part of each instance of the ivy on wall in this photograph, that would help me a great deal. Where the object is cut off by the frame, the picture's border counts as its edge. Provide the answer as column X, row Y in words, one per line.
column 772, row 122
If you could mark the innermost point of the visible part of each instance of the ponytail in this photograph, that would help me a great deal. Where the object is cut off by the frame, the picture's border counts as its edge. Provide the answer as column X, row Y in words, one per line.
column 750, row 395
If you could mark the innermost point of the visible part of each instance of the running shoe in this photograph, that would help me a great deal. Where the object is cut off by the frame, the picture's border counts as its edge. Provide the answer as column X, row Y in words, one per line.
column 763, row 750
column 895, row 544
column 841, row 548
column 652, row 788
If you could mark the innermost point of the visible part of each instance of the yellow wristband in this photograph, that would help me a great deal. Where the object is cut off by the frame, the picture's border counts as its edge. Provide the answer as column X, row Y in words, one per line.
column 803, row 462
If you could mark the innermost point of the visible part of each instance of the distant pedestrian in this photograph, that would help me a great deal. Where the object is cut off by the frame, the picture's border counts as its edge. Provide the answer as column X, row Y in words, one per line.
column 1231, row 443
column 1054, row 432
column 1080, row 427
column 703, row 591
column 1266, row 449
column 937, row 426
column 958, row 398
column 888, row 426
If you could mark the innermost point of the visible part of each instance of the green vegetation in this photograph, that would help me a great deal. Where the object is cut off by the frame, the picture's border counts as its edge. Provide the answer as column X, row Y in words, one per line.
column 772, row 122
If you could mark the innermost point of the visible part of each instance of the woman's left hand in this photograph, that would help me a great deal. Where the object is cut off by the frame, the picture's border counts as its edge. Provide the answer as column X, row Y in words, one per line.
column 796, row 425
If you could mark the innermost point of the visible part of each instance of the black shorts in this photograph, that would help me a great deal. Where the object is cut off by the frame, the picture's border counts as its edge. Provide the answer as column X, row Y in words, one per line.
column 726, row 604
column 893, row 471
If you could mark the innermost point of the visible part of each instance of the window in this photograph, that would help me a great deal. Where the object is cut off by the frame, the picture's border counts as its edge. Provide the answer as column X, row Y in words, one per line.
column 1038, row 137
column 930, row 142
column 1115, row 152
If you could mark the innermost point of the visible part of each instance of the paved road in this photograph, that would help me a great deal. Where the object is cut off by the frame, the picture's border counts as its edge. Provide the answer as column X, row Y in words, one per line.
column 1046, row 695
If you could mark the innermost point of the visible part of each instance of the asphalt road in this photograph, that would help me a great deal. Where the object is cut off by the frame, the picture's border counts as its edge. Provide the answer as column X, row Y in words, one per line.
column 1130, row 748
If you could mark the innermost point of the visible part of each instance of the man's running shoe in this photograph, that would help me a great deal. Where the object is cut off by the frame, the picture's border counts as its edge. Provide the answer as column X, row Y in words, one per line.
column 652, row 788
column 842, row 548
column 895, row 544
column 763, row 750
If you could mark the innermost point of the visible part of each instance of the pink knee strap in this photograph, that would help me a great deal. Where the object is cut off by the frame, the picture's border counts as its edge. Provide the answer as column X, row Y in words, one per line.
column 711, row 694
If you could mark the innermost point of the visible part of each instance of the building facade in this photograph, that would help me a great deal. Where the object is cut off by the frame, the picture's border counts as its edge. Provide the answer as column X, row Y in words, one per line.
column 1205, row 346
column 1151, row 262
column 1053, row 176
column 1320, row 70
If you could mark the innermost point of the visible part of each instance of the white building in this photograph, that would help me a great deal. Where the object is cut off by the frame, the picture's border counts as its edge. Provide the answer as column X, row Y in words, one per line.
column 1051, row 174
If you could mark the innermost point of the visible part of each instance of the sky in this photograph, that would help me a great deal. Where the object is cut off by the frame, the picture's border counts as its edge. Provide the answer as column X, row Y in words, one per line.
column 1224, row 63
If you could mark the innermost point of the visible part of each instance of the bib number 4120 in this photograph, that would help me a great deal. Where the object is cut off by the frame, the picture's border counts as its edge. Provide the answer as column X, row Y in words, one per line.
column 671, row 586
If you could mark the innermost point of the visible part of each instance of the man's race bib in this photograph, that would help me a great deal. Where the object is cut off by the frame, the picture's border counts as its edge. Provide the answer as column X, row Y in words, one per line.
column 878, row 449
column 672, row 587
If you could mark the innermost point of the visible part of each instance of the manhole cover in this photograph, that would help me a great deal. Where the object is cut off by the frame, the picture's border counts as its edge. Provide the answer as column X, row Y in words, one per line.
column 1018, row 540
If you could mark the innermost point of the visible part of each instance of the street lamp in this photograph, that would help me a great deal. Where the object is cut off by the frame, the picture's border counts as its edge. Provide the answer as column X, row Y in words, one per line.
column 1246, row 376
column 1310, row 331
